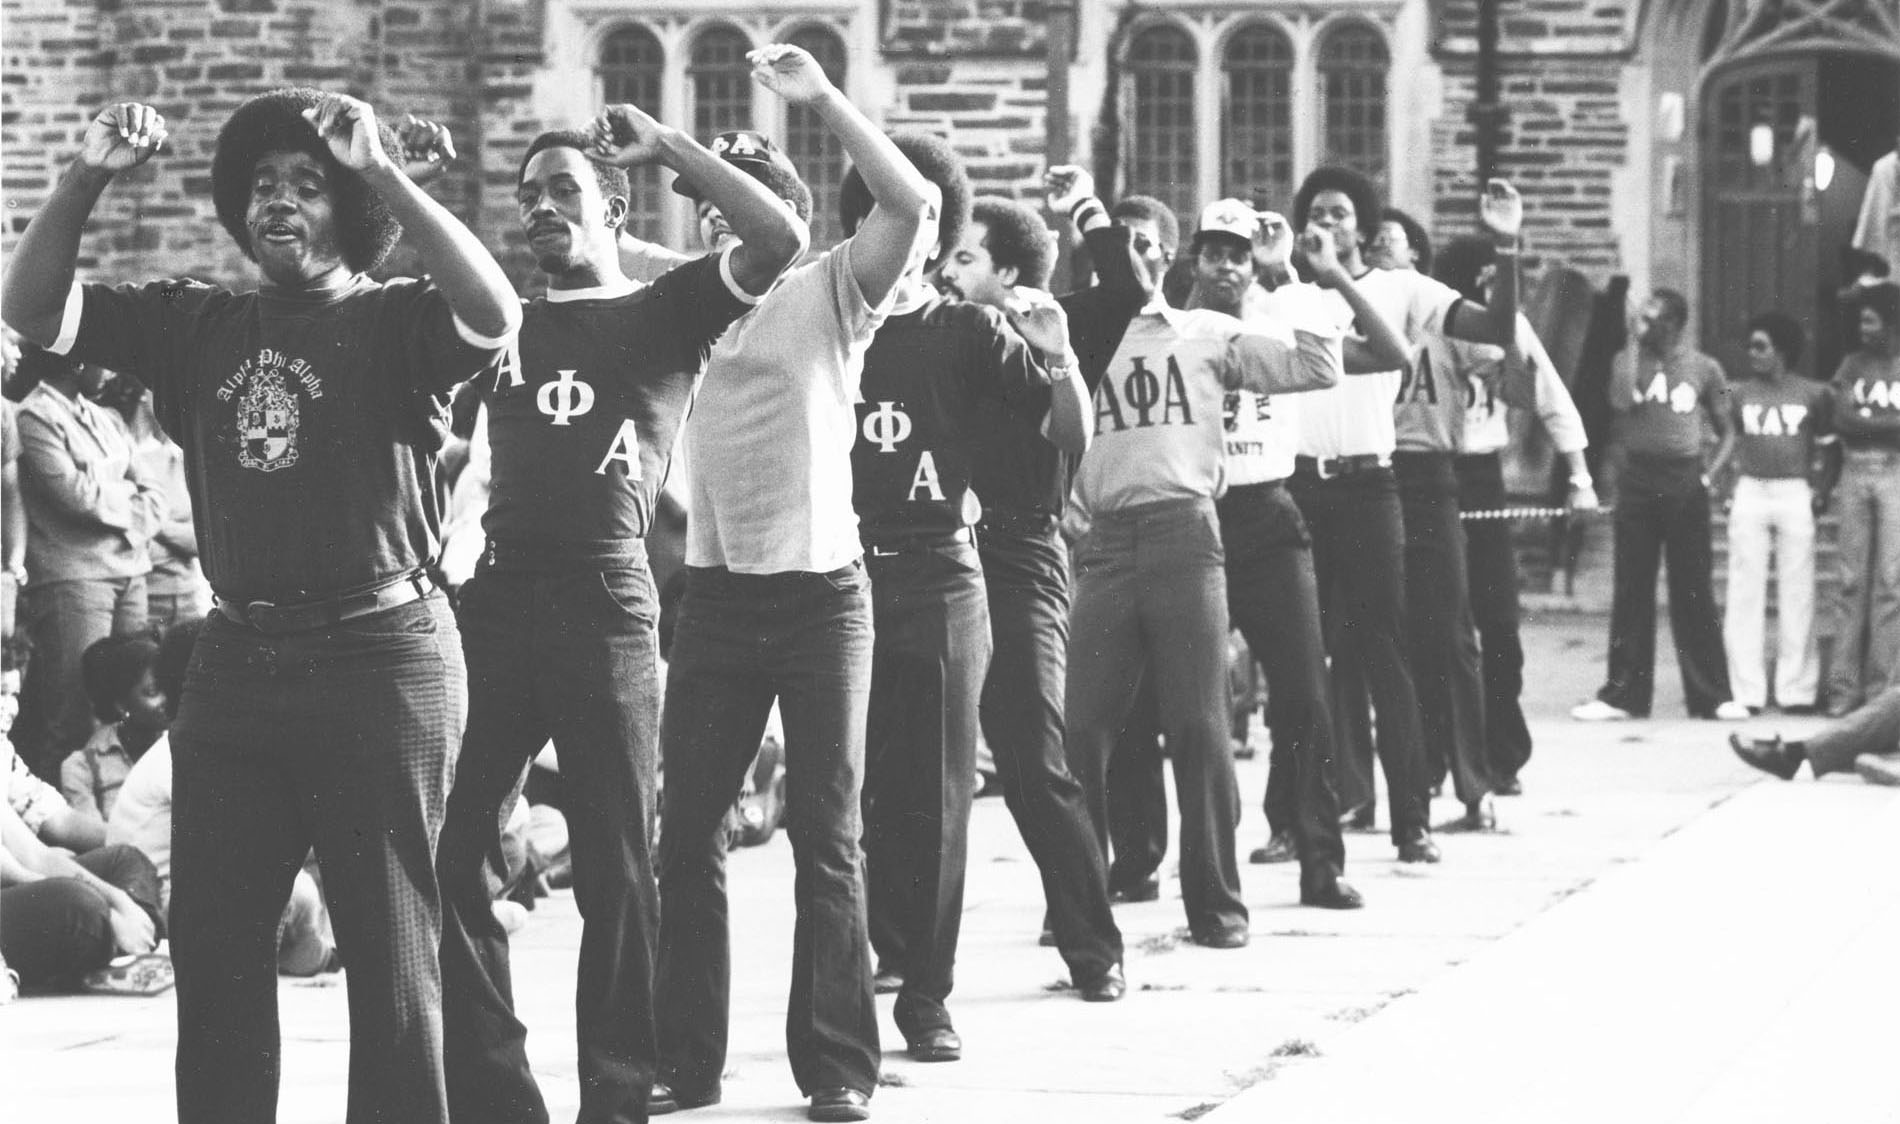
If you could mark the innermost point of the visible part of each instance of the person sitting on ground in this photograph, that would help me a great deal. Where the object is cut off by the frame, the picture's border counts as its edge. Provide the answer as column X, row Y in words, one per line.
column 117, row 674
column 140, row 815
column 61, row 919
column 1866, row 741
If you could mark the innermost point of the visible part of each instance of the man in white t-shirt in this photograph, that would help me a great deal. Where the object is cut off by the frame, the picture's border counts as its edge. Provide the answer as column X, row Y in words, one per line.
column 1344, row 484
column 777, row 607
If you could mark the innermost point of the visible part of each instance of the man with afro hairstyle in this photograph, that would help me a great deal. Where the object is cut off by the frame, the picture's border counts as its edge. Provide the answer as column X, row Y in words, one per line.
column 1344, row 483
column 559, row 618
column 934, row 364
column 1022, row 479
column 326, row 698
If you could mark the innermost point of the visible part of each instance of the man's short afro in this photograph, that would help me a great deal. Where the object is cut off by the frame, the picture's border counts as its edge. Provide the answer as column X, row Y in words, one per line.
column 940, row 164
column 273, row 122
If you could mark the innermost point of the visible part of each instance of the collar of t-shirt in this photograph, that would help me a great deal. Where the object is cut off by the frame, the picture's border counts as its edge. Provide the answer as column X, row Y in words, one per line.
column 610, row 291
column 1159, row 306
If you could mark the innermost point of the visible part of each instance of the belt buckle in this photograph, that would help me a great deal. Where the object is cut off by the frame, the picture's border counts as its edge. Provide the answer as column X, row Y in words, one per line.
column 250, row 611
column 1320, row 466
column 880, row 552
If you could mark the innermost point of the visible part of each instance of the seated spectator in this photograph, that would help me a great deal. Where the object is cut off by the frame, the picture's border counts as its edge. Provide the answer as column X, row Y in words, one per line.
column 63, row 917
column 117, row 673
column 45, row 812
column 1866, row 741
column 142, row 817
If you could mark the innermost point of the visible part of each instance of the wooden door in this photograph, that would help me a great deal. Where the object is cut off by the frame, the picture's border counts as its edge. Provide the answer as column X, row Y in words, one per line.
column 1759, row 247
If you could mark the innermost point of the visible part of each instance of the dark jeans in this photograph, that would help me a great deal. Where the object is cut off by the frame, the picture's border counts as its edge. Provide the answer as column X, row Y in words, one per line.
column 1662, row 511
column 344, row 737
column 1359, row 557
column 744, row 640
column 1151, row 600
column 1137, row 796
column 57, row 929
column 1026, row 576
column 1273, row 598
column 1445, row 660
column 1491, row 573
column 932, row 652
column 567, row 653
column 63, row 619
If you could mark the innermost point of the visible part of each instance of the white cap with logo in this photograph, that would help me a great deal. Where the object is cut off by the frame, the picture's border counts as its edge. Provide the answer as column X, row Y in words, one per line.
column 1229, row 216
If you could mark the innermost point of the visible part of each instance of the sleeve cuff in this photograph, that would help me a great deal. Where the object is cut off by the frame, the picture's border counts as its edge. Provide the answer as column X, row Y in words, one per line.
column 732, row 283
column 475, row 339
column 69, row 321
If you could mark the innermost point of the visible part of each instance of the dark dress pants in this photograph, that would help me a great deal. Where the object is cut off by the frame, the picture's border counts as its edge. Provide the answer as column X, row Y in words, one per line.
column 1151, row 599
column 743, row 641
column 1026, row 577
column 345, row 737
column 1445, row 661
column 1359, row 557
column 567, row 653
column 1662, row 512
column 1273, row 598
column 1137, row 795
column 932, row 652
column 1491, row 573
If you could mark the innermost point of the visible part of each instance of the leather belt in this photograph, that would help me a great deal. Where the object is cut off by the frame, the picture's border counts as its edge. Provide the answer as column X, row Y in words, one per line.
column 891, row 543
column 1008, row 522
column 302, row 616
column 1328, row 467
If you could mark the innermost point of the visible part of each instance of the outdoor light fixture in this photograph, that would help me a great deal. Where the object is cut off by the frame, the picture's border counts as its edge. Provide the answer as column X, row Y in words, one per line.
column 1761, row 144
column 1823, row 169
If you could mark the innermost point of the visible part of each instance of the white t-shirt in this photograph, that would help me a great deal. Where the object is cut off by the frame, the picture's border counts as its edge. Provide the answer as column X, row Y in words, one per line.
column 768, row 444
column 1263, row 431
column 142, row 815
column 1487, row 428
column 1355, row 417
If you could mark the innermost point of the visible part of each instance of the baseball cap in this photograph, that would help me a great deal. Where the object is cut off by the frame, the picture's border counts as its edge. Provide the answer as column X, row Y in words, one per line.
column 1231, row 217
column 752, row 153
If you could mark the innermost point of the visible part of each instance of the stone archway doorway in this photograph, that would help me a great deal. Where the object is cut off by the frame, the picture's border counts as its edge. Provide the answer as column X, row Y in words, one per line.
column 1799, row 98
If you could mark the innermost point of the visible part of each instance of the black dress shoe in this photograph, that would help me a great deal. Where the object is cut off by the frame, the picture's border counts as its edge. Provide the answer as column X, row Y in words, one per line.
column 938, row 1044
column 1227, row 936
column 839, row 1104
column 1105, row 988
column 1770, row 755
column 887, row 981
column 1146, row 890
column 664, row 1099
column 1480, row 815
column 1279, row 849
column 1358, row 819
column 1418, row 848
column 1508, row 786
column 1337, row 894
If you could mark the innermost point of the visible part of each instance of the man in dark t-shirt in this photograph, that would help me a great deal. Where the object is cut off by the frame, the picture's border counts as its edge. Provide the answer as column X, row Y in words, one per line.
column 932, row 364
column 559, row 619
column 326, row 693
column 1022, row 478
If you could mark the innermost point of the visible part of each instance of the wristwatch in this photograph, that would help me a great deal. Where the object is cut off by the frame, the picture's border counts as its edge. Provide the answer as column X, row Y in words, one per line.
column 1061, row 367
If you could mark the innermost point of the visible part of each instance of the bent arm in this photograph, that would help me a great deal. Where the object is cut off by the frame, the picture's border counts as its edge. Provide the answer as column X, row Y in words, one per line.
column 770, row 236
column 906, row 201
column 1070, row 423
column 41, row 273
column 1265, row 365
column 54, row 478
column 468, row 275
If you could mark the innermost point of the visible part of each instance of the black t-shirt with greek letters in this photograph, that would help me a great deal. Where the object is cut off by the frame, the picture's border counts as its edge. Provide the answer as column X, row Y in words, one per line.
column 307, row 421
column 582, row 419
column 926, row 377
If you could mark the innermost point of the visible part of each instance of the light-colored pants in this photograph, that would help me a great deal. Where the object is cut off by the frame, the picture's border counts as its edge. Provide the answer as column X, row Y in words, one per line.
column 1867, row 656
column 1771, row 515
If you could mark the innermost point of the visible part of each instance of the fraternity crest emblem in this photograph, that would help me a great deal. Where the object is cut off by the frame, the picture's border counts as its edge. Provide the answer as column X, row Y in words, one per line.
column 267, row 423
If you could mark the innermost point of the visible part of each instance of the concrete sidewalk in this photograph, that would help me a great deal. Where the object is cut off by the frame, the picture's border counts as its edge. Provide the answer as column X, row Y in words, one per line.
column 1199, row 1026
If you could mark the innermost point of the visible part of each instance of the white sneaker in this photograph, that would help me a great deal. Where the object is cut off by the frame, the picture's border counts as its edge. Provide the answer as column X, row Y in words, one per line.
column 1596, row 710
column 512, row 915
column 1732, row 711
